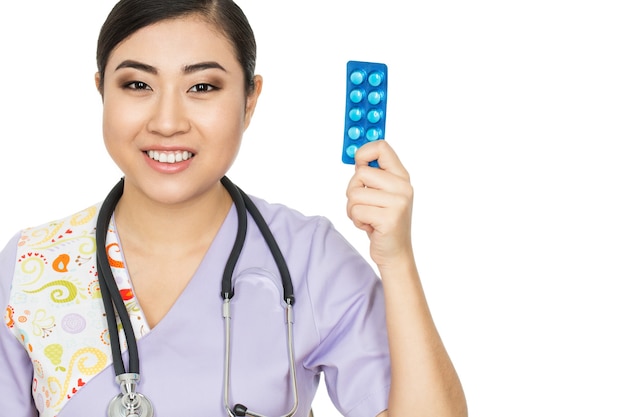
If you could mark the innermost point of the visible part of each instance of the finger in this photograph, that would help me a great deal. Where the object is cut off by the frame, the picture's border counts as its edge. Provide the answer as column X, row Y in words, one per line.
column 380, row 151
column 362, row 226
column 376, row 219
column 371, row 197
column 367, row 178
column 396, row 204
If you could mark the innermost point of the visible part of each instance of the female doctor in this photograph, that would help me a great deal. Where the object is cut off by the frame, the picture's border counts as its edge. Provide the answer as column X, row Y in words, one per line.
column 168, row 298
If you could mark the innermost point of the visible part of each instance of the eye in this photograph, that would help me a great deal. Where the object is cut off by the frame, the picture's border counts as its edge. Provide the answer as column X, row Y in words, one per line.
column 137, row 85
column 201, row 88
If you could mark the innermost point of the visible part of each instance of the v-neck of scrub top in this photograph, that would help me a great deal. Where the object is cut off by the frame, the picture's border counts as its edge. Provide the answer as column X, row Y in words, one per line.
column 183, row 356
column 216, row 256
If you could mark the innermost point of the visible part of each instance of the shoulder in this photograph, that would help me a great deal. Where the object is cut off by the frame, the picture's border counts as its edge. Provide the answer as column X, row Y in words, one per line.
column 314, row 247
column 60, row 229
column 301, row 234
column 7, row 265
column 285, row 221
column 35, row 240
column 272, row 211
column 50, row 245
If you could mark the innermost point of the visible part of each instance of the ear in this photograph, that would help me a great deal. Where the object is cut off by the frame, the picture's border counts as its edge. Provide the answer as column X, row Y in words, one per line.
column 252, row 98
column 98, row 81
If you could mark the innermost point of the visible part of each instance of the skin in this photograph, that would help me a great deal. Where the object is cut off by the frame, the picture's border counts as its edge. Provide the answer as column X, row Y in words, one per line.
column 163, row 93
column 380, row 201
column 158, row 96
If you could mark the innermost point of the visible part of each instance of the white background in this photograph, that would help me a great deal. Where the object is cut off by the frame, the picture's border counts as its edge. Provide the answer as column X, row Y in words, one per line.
column 510, row 116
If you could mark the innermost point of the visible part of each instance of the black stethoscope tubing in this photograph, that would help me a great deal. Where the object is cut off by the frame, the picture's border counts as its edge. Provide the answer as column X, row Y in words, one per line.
column 243, row 203
column 111, row 296
column 113, row 301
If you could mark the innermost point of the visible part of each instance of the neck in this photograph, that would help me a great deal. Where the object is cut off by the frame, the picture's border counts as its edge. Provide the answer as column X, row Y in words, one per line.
column 153, row 227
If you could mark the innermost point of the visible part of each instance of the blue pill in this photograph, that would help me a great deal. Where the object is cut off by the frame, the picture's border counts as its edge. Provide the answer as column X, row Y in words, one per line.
column 373, row 134
column 351, row 150
column 355, row 132
column 374, row 116
column 356, row 95
column 375, row 79
column 357, row 77
column 355, row 114
column 375, row 97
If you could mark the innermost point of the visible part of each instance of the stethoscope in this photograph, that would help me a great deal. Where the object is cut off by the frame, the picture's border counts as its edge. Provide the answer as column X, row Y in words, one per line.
column 130, row 403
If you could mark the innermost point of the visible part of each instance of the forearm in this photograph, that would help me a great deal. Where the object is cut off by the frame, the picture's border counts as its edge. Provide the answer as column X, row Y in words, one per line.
column 424, row 382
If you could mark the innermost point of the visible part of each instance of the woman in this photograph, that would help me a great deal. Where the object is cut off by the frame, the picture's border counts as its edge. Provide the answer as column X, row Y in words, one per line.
column 179, row 89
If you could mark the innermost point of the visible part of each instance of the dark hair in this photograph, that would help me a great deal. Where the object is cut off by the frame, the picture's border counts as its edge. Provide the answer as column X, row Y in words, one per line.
column 128, row 16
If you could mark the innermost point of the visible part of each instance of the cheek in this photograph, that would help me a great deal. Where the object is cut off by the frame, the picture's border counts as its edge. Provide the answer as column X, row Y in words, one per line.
column 225, row 117
column 118, row 122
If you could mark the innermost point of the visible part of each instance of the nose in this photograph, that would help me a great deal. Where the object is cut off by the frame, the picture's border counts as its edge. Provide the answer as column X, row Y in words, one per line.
column 169, row 116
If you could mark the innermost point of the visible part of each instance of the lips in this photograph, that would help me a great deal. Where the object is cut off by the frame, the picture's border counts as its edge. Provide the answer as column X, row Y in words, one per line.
column 169, row 157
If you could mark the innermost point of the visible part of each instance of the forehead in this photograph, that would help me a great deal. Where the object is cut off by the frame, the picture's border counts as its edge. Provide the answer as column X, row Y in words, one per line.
column 177, row 41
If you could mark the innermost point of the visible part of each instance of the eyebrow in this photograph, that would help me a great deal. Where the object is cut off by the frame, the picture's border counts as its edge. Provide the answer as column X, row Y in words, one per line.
column 202, row 66
column 187, row 69
column 137, row 65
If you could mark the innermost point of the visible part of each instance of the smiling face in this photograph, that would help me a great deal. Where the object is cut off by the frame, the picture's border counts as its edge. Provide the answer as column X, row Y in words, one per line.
column 175, row 109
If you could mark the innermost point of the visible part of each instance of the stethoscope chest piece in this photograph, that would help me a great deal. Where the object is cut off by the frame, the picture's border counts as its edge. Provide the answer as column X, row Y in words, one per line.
column 130, row 403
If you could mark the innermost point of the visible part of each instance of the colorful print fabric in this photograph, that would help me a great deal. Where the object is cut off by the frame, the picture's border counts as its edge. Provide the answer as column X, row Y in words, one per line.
column 56, row 309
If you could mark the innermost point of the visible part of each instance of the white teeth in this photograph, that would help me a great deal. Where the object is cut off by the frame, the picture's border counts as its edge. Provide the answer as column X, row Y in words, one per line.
column 170, row 157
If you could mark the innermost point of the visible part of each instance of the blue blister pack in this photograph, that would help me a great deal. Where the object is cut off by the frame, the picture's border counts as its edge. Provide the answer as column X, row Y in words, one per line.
column 366, row 106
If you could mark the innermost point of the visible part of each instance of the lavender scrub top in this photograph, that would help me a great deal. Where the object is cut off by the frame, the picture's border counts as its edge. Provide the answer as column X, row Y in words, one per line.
column 55, row 357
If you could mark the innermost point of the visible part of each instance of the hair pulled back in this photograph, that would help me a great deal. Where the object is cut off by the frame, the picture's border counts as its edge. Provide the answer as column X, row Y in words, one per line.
column 128, row 16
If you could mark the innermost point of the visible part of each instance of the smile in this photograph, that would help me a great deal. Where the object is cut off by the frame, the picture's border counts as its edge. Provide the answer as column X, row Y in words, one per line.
column 169, row 157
